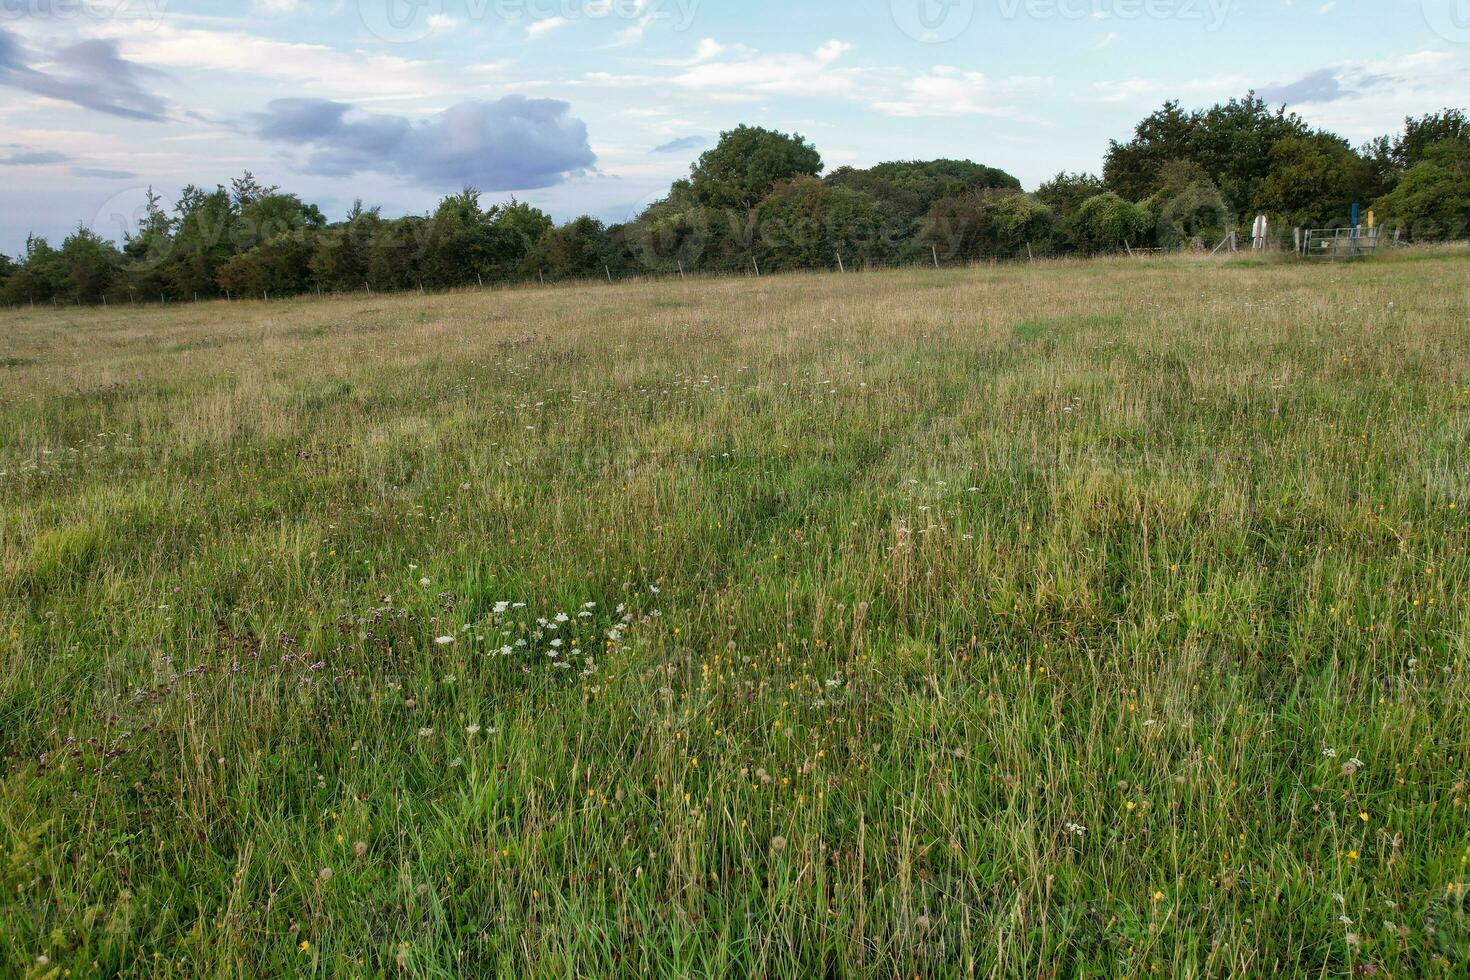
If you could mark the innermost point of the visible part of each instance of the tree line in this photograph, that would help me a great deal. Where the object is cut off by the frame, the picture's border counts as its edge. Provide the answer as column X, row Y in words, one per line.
column 759, row 201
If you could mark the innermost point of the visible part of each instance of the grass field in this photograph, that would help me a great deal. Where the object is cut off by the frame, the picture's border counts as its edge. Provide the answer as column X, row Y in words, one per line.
column 1075, row 619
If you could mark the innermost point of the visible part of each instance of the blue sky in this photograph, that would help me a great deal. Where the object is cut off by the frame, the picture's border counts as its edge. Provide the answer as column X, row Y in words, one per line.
column 596, row 105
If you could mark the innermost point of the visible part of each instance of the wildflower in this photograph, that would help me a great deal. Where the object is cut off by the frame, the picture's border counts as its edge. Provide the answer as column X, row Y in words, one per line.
column 425, row 582
column 444, row 641
column 359, row 850
column 304, row 946
column 325, row 874
column 1329, row 753
column 778, row 843
column 472, row 730
column 425, row 732
column 1075, row 829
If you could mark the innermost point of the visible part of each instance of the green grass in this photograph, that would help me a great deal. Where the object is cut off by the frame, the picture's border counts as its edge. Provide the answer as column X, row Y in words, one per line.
column 1078, row 619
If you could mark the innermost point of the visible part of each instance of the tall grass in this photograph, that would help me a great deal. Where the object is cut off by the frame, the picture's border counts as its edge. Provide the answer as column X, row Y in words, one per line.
column 1088, row 619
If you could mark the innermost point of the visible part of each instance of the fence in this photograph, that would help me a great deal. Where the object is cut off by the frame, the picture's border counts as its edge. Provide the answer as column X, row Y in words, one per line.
column 1339, row 243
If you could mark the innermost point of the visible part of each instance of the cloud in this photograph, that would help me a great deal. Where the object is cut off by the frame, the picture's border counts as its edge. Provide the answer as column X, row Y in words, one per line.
column 947, row 91
column 327, row 71
column 33, row 158
column 685, row 143
column 772, row 74
column 544, row 26
column 90, row 74
column 98, row 173
column 514, row 143
column 1322, row 85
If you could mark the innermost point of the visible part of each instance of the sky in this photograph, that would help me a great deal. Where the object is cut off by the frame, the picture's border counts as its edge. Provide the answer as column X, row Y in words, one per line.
column 595, row 106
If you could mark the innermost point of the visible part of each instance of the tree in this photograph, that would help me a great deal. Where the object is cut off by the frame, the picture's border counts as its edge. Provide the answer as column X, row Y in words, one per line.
column 1313, row 181
column 987, row 224
column 91, row 265
column 1107, row 223
column 456, row 250
column 279, row 266
column 1065, row 193
column 514, row 230
column 1232, row 142
column 7, row 267
column 579, row 248
column 1432, row 199
column 339, row 255
column 1131, row 169
column 807, row 224
column 1187, row 206
column 1422, row 134
column 747, row 162
column 204, row 239
column 40, row 277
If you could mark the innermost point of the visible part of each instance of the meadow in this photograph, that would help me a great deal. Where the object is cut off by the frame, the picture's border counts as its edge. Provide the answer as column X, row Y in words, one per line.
column 1099, row 618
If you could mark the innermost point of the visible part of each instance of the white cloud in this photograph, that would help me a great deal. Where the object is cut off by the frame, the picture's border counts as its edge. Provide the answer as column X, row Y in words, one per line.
column 948, row 91
column 327, row 71
column 544, row 26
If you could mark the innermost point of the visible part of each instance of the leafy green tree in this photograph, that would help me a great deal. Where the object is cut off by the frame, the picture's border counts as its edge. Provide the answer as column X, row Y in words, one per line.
column 40, row 276
column 1313, row 181
column 395, row 254
column 1422, row 134
column 1065, row 193
column 278, row 266
column 204, row 239
column 456, row 250
column 1131, row 170
column 1108, row 223
column 931, row 180
column 1431, row 201
column 339, row 256
column 747, row 162
column 987, row 224
column 579, row 248
column 1231, row 141
column 7, row 268
column 1187, row 206
column 92, row 266
column 515, row 229
column 806, row 224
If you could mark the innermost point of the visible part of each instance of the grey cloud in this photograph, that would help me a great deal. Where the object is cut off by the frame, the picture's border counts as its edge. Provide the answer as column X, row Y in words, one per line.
column 90, row 74
column 98, row 173
column 1323, row 85
column 514, row 143
column 33, row 158
column 685, row 143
